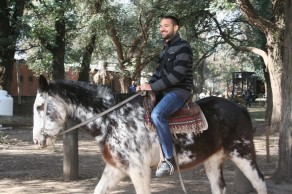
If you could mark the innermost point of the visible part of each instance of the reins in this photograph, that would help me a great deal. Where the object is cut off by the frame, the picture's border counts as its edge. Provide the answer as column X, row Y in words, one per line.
column 45, row 113
column 102, row 113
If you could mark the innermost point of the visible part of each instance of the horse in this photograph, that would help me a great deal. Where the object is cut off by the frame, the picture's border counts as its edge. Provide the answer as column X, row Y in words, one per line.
column 129, row 147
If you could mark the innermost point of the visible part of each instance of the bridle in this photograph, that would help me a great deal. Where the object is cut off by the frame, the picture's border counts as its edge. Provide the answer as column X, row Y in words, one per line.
column 89, row 120
column 45, row 113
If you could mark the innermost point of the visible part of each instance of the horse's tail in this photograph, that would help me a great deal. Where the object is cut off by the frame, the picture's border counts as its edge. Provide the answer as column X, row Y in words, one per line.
column 246, row 113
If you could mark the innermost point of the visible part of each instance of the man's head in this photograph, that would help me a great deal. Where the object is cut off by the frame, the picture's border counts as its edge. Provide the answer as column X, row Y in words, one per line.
column 169, row 26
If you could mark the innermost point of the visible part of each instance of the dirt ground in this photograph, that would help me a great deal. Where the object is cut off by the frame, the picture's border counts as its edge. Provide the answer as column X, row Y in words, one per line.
column 25, row 169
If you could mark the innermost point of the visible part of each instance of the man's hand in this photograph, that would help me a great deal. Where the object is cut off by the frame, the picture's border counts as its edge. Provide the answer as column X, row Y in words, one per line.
column 145, row 87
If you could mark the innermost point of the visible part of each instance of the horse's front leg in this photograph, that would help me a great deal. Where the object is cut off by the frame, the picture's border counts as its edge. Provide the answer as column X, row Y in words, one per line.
column 111, row 176
column 140, row 177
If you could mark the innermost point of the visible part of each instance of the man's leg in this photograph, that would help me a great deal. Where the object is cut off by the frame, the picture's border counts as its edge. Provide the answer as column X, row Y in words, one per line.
column 169, row 104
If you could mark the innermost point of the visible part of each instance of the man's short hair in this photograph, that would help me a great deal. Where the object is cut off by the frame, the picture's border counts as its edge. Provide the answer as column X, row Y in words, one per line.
column 174, row 19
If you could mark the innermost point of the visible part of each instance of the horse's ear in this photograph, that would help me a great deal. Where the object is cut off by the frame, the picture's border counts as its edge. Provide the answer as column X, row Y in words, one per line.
column 43, row 84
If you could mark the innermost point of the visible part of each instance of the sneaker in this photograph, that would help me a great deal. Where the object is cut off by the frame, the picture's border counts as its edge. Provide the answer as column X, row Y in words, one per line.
column 166, row 168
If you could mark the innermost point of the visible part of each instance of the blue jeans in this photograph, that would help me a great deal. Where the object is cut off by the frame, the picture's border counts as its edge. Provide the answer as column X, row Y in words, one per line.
column 170, row 103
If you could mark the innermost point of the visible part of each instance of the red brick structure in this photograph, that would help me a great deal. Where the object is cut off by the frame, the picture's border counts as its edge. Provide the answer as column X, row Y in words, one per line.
column 28, row 82
column 29, row 85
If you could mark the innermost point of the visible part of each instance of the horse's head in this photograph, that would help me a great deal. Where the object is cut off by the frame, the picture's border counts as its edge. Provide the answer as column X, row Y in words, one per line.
column 49, row 114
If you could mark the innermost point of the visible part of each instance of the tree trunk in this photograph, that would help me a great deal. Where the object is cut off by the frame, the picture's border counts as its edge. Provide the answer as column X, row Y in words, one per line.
column 279, row 41
column 201, row 78
column 273, row 30
column 269, row 102
column 284, row 171
column 122, row 81
column 9, row 32
column 6, row 68
column 89, row 48
column 86, row 60
column 275, row 67
column 59, row 50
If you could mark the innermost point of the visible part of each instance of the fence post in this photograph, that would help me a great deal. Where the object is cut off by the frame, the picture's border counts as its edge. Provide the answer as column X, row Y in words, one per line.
column 70, row 147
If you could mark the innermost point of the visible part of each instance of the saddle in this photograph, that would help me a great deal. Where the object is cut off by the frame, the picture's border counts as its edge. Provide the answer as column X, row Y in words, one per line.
column 189, row 119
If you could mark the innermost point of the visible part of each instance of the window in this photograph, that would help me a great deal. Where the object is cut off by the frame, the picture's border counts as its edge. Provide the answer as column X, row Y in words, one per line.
column 30, row 78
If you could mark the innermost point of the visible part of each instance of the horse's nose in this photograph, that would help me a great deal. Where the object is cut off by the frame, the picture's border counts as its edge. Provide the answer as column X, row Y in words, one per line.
column 40, row 143
column 35, row 141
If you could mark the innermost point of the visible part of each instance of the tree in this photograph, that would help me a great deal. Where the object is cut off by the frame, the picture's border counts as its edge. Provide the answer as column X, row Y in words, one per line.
column 224, row 61
column 130, row 37
column 11, row 13
column 94, row 8
column 52, row 29
column 285, row 144
column 236, row 31
column 277, row 58
column 136, row 38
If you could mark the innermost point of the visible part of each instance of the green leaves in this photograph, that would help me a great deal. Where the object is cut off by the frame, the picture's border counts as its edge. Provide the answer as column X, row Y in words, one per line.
column 127, row 33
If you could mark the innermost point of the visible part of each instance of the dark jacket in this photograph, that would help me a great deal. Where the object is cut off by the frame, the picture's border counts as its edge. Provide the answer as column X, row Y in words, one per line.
column 174, row 71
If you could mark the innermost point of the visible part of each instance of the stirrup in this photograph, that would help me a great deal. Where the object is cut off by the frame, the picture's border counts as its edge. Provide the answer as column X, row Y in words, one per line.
column 165, row 168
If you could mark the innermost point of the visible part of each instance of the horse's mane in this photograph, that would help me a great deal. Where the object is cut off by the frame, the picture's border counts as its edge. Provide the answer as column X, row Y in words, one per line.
column 81, row 93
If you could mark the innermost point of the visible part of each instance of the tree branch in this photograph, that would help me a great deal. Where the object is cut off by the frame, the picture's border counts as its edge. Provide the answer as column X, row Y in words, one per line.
column 113, row 34
column 143, row 34
column 26, row 49
column 261, row 23
column 255, row 50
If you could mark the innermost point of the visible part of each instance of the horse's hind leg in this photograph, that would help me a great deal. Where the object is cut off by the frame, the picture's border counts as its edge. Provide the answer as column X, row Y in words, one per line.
column 111, row 176
column 213, row 168
column 250, row 169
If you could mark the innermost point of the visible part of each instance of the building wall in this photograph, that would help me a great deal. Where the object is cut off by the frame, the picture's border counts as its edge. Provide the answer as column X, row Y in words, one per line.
column 28, row 82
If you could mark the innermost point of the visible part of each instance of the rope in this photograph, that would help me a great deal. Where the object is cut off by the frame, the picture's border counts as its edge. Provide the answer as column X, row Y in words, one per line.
column 103, row 113
column 45, row 113
column 178, row 170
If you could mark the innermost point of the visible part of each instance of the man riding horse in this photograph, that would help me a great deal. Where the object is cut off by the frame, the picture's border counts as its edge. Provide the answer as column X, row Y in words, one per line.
column 173, row 79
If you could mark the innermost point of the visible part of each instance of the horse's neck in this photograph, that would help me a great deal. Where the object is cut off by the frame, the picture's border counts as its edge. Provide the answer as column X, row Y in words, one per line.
column 83, row 102
column 80, row 113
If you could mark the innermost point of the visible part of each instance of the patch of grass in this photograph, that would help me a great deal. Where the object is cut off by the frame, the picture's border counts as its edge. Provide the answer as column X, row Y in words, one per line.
column 258, row 120
column 257, row 115
column 4, row 139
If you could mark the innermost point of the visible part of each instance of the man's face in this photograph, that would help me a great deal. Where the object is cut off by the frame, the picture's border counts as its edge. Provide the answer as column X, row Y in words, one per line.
column 167, row 29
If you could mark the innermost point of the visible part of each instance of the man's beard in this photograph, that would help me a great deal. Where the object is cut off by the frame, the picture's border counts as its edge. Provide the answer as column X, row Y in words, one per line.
column 168, row 36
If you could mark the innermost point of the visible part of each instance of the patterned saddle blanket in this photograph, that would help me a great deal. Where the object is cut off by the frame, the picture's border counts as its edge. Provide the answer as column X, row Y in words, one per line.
column 189, row 119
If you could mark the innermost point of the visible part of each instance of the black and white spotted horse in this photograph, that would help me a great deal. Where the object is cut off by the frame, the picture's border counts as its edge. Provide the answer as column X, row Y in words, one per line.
column 128, row 147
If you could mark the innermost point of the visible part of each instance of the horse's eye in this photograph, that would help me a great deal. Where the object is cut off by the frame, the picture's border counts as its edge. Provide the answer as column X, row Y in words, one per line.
column 39, row 108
